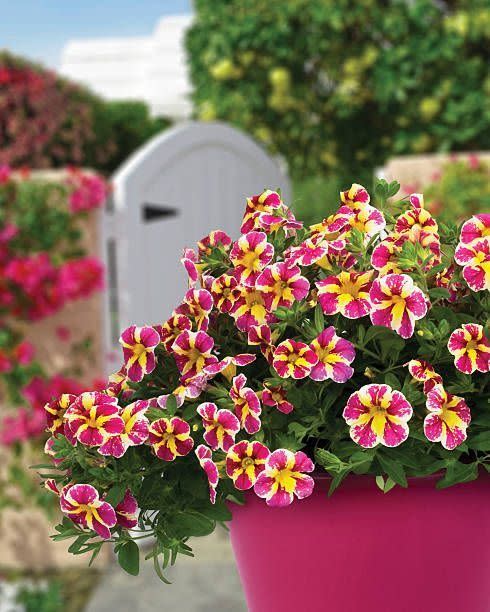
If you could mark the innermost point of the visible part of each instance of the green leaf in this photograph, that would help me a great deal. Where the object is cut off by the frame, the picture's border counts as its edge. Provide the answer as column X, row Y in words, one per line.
column 458, row 472
column 171, row 406
column 216, row 512
column 439, row 293
column 129, row 557
column 319, row 320
column 337, row 480
column 392, row 381
column 389, row 484
column 187, row 524
column 394, row 469
column 115, row 495
column 480, row 442
column 329, row 461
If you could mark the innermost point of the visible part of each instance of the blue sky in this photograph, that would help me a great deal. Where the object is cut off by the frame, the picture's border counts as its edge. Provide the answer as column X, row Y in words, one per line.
column 38, row 29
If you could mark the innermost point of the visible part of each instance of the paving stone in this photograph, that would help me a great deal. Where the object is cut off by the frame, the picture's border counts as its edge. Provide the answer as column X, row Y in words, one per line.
column 206, row 583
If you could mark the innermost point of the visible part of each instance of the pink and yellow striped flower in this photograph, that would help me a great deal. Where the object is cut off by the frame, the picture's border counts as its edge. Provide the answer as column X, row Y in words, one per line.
column 294, row 359
column 346, row 293
column 81, row 504
column 250, row 255
column 475, row 259
column 419, row 226
column 221, row 426
column 127, row 511
column 471, row 348
column 197, row 305
column 448, row 418
column 190, row 261
column 281, row 285
column 247, row 404
column 338, row 256
column 135, row 430
column 192, row 352
column 249, row 309
column 422, row 371
column 223, row 290
column 228, row 365
column 276, row 397
column 259, row 335
column 367, row 219
column 475, row 228
column 172, row 328
column 216, row 239
column 55, row 412
column 377, row 414
column 138, row 344
column 384, row 257
column 117, row 383
column 205, row 457
column 355, row 197
column 244, row 462
column 266, row 202
column 93, row 418
column 170, row 438
column 397, row 303
column 282, row 218
column 307, row 253
column 335, row 355
column 334, row 227
column 284, row 477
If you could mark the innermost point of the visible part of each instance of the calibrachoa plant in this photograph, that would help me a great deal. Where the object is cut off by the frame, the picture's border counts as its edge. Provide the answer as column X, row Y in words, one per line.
column 357, row 345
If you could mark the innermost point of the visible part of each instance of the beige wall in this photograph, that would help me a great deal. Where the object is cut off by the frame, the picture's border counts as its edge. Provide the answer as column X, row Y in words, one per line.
column 418, row 170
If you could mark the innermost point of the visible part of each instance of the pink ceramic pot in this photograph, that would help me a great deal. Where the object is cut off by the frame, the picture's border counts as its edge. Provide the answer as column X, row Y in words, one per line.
column 416, row 549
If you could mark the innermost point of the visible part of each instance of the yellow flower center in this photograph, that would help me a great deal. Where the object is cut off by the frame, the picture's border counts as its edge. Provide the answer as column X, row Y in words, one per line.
column 254, row 299
column 139, row 349
column 397, row 299
column 286, row 479
column 351, row 288
column 194, row 354
column 472, row 345
column 450, row 417
column 247, row 462
column 251, row 260
column 293, row 357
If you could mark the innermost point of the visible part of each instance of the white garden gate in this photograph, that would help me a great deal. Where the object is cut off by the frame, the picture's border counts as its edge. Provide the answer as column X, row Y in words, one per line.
column 173, row 191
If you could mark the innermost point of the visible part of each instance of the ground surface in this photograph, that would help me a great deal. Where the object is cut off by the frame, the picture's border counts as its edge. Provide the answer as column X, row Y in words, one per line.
column 206, row 583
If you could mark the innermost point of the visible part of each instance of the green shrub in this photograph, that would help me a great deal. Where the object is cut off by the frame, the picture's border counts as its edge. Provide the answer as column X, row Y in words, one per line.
column 127, row 125
column 462, row 189
column 332, row 85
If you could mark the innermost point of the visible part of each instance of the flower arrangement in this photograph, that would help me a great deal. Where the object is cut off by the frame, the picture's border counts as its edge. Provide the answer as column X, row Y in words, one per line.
column 359, row 345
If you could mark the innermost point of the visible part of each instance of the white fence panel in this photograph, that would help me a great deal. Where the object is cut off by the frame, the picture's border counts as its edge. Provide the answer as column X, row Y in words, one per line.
column 181, row 185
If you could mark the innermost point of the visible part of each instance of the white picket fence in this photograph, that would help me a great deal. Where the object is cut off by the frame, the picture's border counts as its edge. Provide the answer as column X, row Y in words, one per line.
column 181, row 185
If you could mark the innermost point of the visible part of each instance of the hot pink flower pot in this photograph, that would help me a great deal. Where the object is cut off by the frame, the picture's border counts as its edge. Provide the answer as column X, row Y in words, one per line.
column 361, row 550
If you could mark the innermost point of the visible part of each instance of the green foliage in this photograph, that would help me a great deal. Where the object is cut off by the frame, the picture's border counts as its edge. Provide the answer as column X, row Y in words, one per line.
column 127, row 125
column 39, row 599
column 342, row 85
